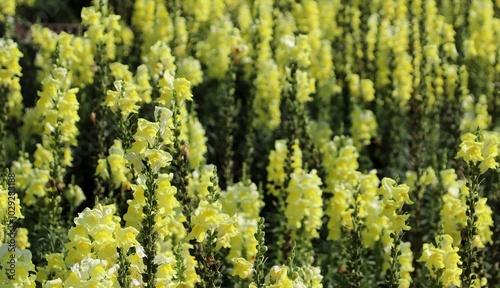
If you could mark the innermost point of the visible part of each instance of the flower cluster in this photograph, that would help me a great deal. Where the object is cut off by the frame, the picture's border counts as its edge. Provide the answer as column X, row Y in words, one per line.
column 394, row 197
column 473, row 151
column 452, row 213
column 124, row 100
column 304, row 203
column 8, row 7
column 58, row 106
column 442, row 260
column 243, row 200
column 268, row 95
column 364, row 127
column 114, row 167
column 180, row 87
column 159, row 61
column 66, row 50
column 276, row 169
column 106, row 30
column 153, row 21
column 10, row 71
column 207, row 219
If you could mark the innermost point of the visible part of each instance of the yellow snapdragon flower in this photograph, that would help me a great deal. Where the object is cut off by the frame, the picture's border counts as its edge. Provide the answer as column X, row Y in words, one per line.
column 168, row 86
column 7, row 9
column 200, row 182
column 124, row 100
column 154, row 22
column 115, row 165
column 74, row 53
column 10, row 74
column 167, row 221
column 143, row 86
column 304, row 203
column 190, row 68
column 5, row 198
column 242, row 267
column 146, row 131
column 483, row 224
column 105, row 30
column 339, row 207
column 92, row 272
column 453, row 216
column 475, row 114
column 159, row 60
column 276, row 169
column 489, row 152
column 196, row 141
column 278, row 277
column 22, row 241
column 443, row 256
column 406, row 262
column 208, row 218
column 309, row 276
column 340, row 162
column 58, row 105
column 243, row 201
column 364, row 127
column 55, row 267
column 268, row 95
column 472, row 151
column 305, row 86
column 217, row 49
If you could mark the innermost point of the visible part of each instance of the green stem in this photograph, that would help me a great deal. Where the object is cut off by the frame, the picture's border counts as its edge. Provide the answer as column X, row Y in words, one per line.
column 124, row 269
column 260, row 257
column 354, row 273
column 230, row 107
column 470, row 231
column 180, row 164
column 393, row 273
column 180, row 267
column 148, row 236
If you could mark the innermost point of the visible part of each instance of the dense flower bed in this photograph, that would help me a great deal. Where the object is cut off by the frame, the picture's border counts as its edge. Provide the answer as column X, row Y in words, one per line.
column 267, row 143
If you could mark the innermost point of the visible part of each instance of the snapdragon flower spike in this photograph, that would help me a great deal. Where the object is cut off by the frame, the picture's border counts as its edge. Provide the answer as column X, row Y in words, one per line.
column 10, row 74
column 105, row 29
column 124, row 100
column 443, row 257
column 392, row 204
column 59, row 106
column 155, row 24
column 268, row 95
column 75, row 54
column 215, row 50
column 279, row 276
column 22, row 273
column 473, row 151
column 243, row 201
column 304, row 203
column 168, row 86
column 207, row 218
column 114, row 166
column 159, row 61
column 196, row 140
column 364, row 127
column 276, row 169
column 94, row 240
column 200, row 182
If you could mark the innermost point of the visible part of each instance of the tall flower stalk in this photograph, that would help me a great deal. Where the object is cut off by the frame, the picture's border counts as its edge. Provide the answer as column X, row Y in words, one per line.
column 148, row 158
column 57, row 107
column 479, row 154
